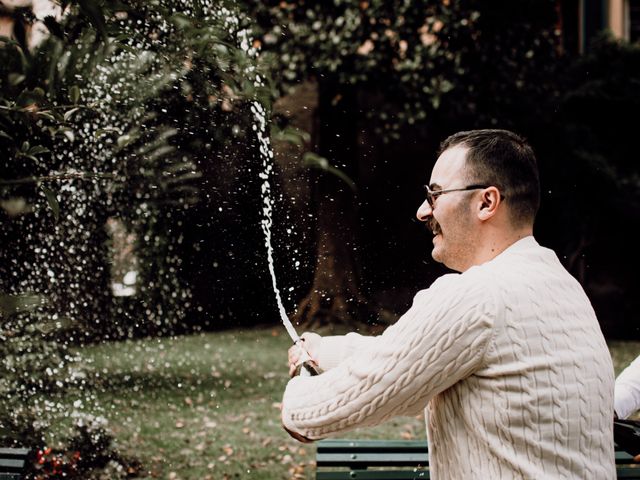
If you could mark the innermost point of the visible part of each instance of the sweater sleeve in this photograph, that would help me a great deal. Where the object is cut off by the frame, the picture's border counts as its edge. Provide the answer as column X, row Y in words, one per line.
column 627, row 390
column 441, row 339
column 334, row 349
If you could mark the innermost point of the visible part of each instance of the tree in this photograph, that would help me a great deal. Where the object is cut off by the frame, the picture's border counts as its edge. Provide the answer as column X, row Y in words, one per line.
column 106, row 118
column 83, row 139
column 592, row 192
column 441, row 65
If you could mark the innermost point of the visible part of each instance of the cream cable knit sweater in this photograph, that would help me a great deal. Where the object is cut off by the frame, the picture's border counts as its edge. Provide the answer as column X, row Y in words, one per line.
column 508, row 359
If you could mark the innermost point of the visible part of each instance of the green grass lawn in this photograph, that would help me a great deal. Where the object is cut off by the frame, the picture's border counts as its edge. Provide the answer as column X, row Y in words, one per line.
column 207, row 406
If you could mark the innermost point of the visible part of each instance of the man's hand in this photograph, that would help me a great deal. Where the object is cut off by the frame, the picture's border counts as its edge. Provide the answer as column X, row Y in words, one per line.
column 310, row 342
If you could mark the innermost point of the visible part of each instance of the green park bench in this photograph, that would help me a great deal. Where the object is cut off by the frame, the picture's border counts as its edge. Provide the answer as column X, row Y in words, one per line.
column 13, row 463
column 401, row 460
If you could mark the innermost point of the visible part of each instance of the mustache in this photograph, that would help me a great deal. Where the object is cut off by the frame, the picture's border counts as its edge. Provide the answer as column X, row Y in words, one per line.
column 434, row 226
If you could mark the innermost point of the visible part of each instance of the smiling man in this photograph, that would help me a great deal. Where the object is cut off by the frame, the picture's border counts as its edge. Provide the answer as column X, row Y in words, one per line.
column 506, row 358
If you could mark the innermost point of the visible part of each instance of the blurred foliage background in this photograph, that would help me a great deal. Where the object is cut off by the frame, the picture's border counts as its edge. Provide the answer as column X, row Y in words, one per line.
column 392, row 79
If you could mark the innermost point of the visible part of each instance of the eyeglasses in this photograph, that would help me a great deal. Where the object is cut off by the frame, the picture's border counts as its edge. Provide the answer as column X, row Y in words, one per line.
column 432, row 195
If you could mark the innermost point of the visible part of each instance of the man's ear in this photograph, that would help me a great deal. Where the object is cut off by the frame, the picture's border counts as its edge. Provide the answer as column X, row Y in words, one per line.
column 489, row 203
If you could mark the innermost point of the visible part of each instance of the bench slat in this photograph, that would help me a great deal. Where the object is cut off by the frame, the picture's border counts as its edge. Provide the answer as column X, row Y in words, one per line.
column 10, row 476
column 9, row 465
column 374, row 475
column 14, row 452
column 628, row 473
column 373, row 445
column 363, row 460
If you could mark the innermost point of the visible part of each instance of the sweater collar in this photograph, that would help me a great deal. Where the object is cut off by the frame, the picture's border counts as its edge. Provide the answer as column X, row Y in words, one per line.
column 522, row 244
column 525, row 244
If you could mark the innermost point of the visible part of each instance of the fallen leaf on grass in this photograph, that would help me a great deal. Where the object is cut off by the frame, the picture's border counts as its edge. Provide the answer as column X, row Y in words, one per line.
column 297, row 472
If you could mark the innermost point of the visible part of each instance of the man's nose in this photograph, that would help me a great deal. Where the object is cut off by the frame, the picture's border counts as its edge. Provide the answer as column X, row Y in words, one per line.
column 424, row 211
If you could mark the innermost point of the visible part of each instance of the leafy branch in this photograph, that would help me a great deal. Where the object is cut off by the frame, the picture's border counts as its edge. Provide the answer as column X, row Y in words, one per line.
column 57, row 177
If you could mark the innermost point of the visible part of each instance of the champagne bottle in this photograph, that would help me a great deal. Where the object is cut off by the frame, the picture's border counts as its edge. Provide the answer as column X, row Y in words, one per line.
column 306, row 367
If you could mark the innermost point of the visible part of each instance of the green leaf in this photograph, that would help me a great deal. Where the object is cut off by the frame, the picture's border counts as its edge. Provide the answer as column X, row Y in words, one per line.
column 311, row 159
column 12, row 304
column 124, row 140
column 74, row 94
column 46, row 114
column 185, row 177
column 292, row 135
column 180, row 21
column 179, row 167
column 69, row 113
column 16, row 78
column 93, row 12
column 5, row 135
column 160, row 152
column 38, row 149
column 11, row 42
column 314, row 160
column 52, row 201
column 104, row 131
column 7, row 40
column 67, row 132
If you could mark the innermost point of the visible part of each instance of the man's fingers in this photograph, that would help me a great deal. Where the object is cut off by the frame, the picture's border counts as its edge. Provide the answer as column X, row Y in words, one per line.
column 294, row 359
column 294, row 355
column 636, row 458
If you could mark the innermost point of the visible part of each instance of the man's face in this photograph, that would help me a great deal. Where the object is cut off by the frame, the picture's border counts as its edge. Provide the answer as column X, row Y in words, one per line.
column 452, row 217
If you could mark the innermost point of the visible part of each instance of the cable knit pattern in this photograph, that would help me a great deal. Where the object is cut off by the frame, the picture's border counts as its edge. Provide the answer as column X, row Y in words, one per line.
column 508, row 359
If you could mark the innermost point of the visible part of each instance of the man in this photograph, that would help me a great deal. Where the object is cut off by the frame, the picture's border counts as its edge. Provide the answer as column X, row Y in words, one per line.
column 627, row 391
column 507, row 356
column 627, row 396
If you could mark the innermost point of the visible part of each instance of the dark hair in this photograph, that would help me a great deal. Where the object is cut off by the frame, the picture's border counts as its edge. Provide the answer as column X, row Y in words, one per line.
column 505, row 160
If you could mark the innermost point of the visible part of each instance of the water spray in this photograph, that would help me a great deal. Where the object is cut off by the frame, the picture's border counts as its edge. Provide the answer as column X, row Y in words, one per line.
column 306, row 366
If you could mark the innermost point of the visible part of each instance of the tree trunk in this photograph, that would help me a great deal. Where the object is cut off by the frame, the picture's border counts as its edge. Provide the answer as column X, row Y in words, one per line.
column 335, row 296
